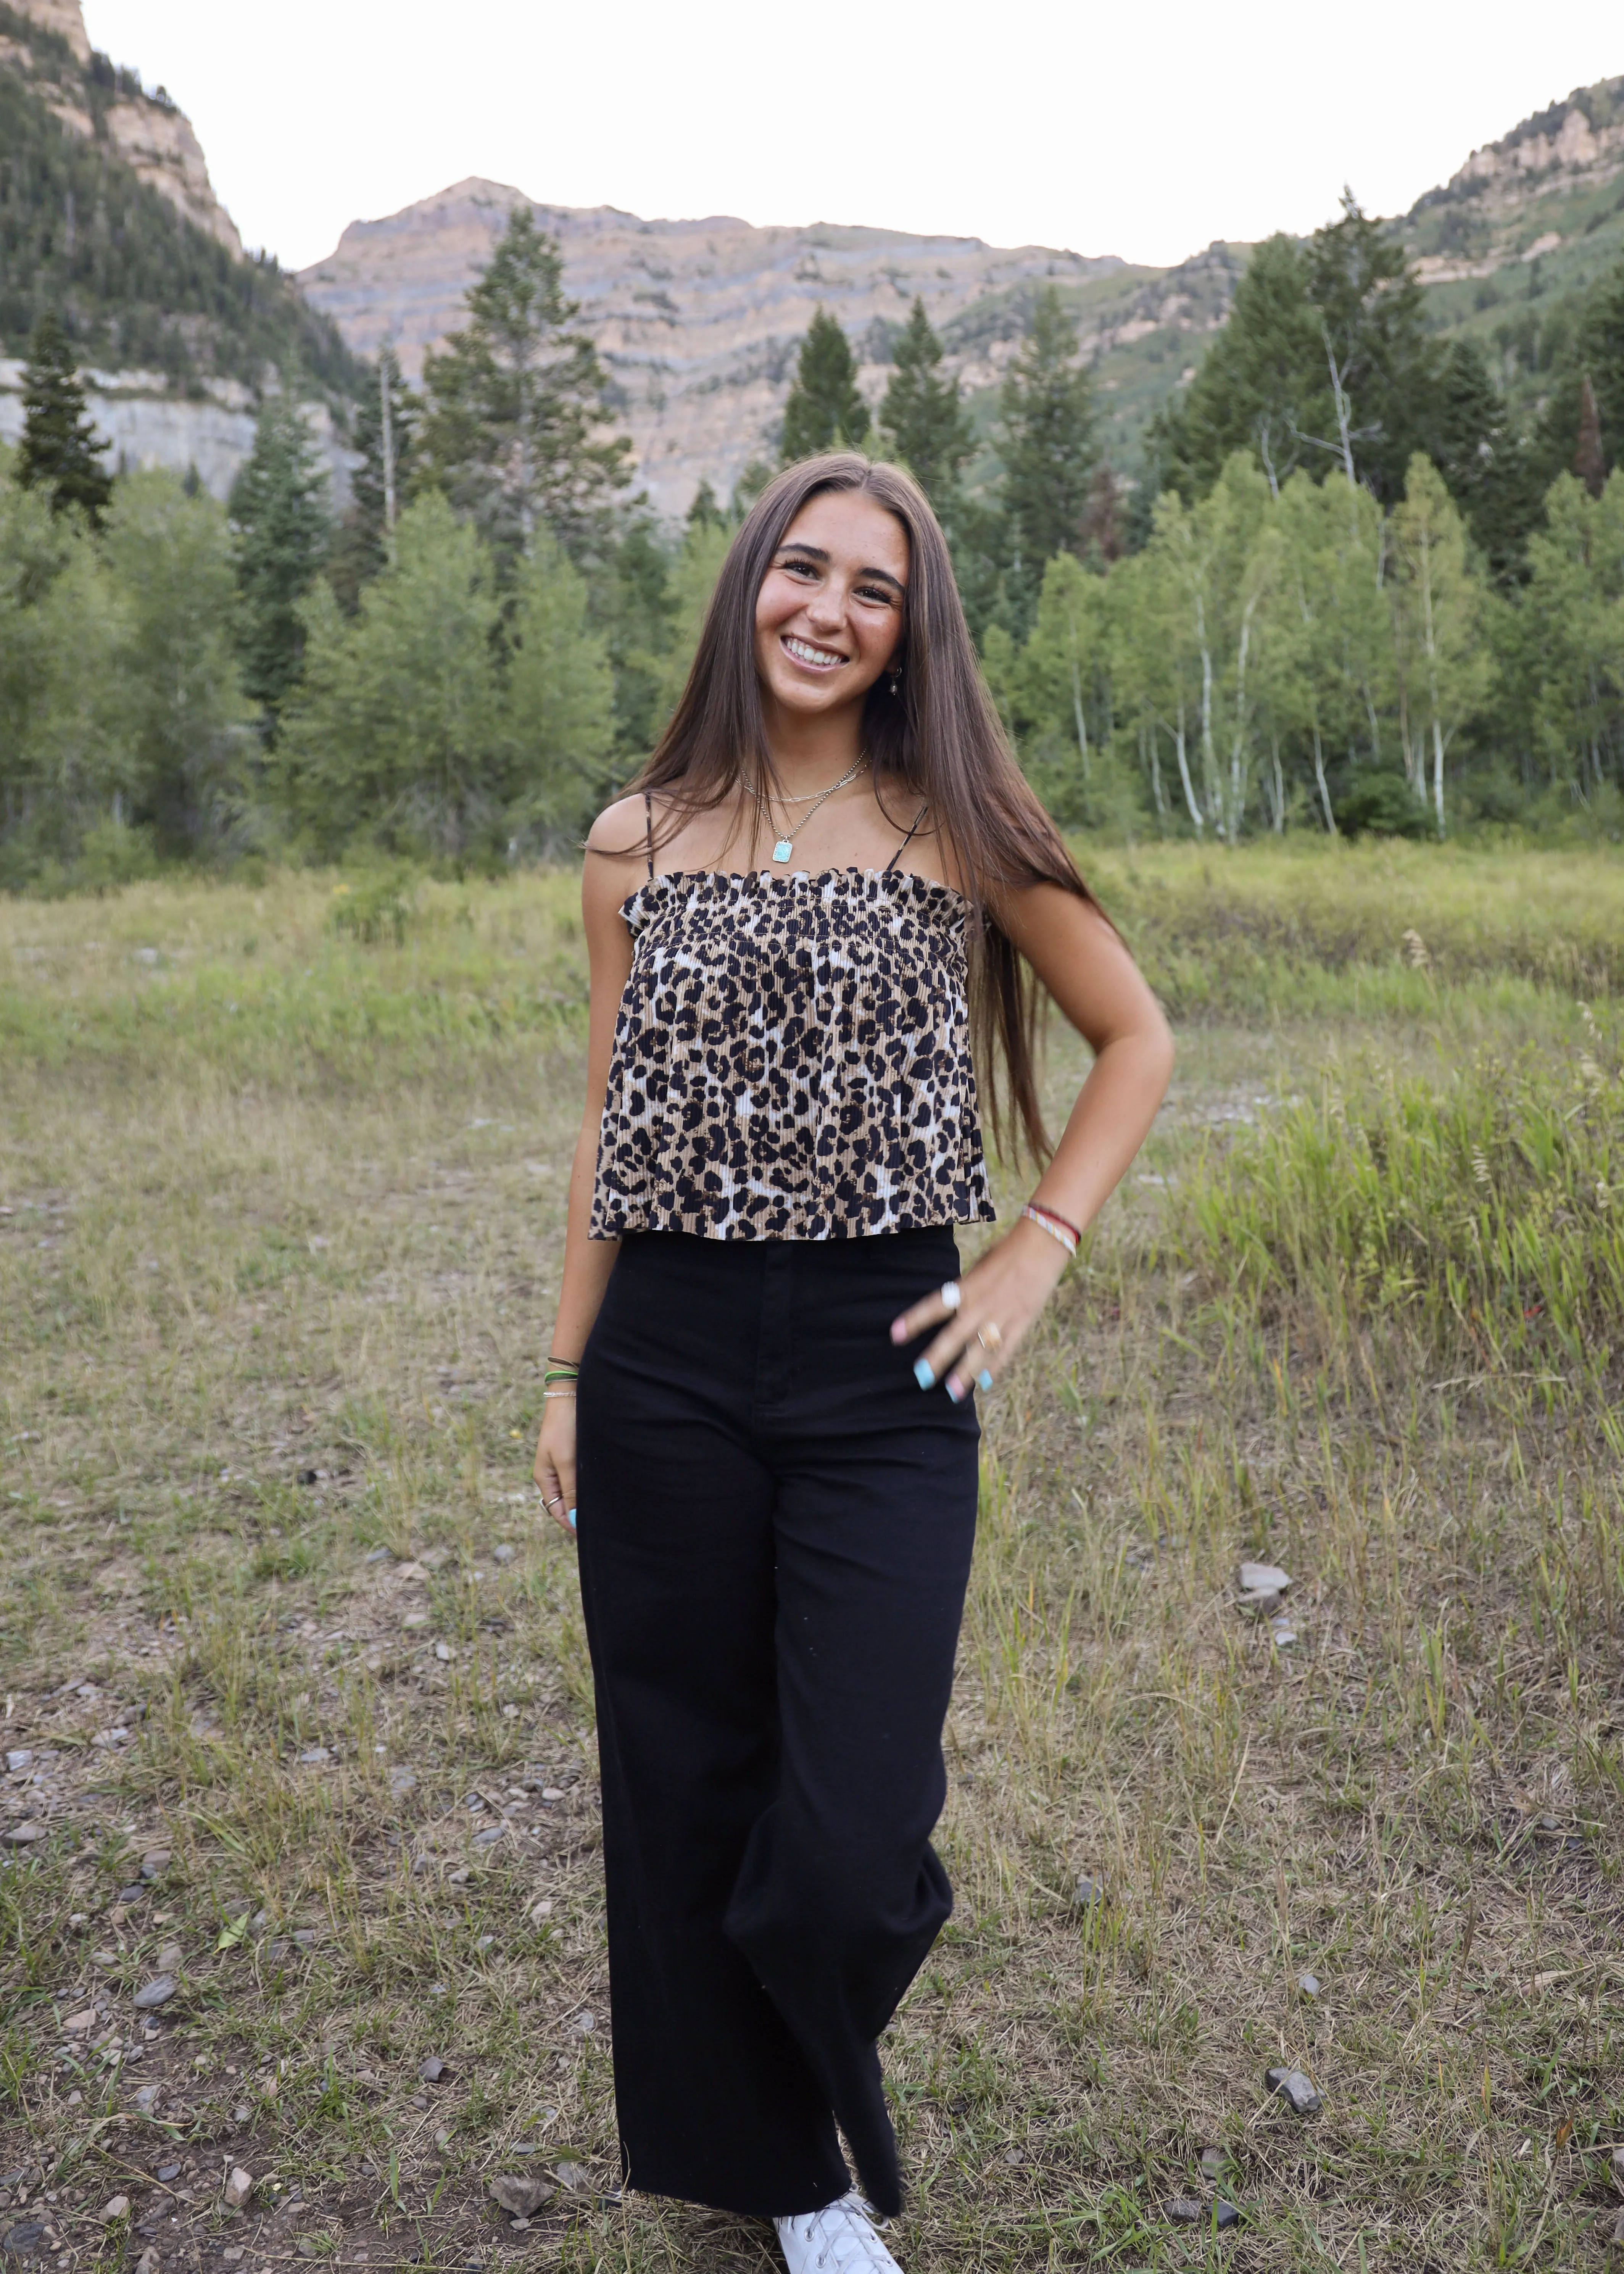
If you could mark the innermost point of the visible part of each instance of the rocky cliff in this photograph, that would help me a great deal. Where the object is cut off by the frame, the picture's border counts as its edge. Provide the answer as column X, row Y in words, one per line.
column 1550, row 186
column 150, row 134
column 698, row 321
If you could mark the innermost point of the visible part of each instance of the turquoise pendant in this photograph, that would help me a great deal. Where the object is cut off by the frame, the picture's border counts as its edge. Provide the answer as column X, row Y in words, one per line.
column 782, row 850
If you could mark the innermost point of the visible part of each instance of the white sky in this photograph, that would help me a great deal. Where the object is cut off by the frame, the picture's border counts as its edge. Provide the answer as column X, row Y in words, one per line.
column 1142, row 130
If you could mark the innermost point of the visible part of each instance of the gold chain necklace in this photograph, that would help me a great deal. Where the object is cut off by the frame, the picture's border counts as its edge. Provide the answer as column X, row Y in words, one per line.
column 784, row 848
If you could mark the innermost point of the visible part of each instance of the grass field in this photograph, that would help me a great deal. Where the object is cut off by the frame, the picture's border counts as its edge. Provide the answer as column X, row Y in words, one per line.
column 297, row 1712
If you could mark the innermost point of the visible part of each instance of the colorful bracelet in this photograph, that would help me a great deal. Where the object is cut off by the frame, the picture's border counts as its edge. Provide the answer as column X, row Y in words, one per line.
column 560, row 1370
column 1056, row 1226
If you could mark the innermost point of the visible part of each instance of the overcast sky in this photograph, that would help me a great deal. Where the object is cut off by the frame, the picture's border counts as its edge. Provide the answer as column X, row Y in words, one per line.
column 1140, row 129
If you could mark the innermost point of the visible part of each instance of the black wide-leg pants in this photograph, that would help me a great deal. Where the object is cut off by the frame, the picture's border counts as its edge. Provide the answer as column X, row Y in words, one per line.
column 775, row 1528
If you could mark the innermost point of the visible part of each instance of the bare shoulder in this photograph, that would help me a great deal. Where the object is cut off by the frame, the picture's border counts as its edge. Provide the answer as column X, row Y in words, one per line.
column 621, row 831
column 616, row 860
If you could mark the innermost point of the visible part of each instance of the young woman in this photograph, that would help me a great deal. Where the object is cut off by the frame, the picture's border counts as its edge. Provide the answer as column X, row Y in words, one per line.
column 830, row 898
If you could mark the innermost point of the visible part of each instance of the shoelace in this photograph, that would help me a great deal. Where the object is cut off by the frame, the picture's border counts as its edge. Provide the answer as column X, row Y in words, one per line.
column 849, row 2233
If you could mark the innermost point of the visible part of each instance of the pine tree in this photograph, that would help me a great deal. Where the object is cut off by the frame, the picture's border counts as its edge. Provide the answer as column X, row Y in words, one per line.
column 59, row 450
column 922, row 417
column 515, row 403
column 824, row 412
column 279, row 510
column 1049, row 450
column 706, row 511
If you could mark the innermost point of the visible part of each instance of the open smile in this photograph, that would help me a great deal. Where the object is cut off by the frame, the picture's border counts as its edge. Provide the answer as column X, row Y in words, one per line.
column 815, row 658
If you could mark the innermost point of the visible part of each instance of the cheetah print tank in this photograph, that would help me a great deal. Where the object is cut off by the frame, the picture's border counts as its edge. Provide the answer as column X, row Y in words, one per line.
column 792, row 1060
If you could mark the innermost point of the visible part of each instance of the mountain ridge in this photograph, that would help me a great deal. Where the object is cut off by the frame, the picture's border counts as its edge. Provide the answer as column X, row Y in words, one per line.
column 700, row 391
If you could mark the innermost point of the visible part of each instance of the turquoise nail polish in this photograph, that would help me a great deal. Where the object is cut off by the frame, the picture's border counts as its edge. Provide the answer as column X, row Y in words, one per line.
column 571, row 1519
column 983, row 1380
column 922, row 1373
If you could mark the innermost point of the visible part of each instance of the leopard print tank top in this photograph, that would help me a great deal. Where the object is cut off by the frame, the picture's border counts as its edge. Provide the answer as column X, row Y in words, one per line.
column 792, row 1060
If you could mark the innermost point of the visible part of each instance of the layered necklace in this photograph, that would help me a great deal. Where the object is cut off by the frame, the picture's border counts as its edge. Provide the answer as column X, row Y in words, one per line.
column 784, row 847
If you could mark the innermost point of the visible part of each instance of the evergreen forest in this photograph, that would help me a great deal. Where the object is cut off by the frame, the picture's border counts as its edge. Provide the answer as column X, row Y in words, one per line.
column 133, row 282
column 1352, row 589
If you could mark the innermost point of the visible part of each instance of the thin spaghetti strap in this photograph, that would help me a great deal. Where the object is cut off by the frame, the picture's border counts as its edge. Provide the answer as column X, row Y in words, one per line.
column 648, row 811
column 907, row 841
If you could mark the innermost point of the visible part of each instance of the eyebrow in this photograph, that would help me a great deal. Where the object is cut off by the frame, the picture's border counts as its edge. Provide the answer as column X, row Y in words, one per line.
column 817, row 553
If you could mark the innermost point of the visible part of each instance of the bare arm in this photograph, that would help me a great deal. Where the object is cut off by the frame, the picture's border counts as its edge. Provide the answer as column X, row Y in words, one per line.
column 1097, row 985
column 610, row 874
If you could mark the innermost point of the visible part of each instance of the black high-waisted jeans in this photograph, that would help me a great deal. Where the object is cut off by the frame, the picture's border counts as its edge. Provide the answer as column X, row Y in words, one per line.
column 775, row 1532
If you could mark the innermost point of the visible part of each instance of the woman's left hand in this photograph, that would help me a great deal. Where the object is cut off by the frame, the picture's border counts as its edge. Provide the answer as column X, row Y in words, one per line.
column 997, row 1301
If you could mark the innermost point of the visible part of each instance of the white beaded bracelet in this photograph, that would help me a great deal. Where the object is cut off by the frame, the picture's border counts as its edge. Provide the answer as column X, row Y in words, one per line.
column 1046, row 1223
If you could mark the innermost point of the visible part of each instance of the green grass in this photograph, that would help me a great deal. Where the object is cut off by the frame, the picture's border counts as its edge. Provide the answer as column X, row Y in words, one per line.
column 272, row 1291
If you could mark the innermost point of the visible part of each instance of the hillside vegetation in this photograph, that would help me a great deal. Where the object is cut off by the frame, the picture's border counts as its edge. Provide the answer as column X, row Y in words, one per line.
column 138, row 285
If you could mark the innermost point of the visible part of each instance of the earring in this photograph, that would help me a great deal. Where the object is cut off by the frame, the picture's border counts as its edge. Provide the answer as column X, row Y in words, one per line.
column 896, row 683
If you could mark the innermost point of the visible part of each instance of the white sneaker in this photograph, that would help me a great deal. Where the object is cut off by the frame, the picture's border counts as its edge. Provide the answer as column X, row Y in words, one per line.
column 838, row 2240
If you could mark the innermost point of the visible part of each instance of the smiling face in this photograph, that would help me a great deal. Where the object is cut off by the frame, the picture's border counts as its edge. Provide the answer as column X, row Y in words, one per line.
column 829, row 616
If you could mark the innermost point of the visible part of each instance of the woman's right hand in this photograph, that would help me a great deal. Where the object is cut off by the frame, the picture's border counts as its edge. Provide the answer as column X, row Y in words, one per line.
column 555, row 1462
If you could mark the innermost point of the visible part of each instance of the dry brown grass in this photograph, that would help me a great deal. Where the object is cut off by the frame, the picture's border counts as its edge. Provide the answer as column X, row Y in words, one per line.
column 243, row 1248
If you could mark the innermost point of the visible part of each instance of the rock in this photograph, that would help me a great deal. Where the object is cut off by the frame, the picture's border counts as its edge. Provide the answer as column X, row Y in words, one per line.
column 155, row 1863
column 237, row 2188
column 133, row 1893
column 1263, row 1579
column 22, row 1834
column 431, row 2070
column 416, row 1619
column 584, row 2024
column 116, row 2207
column 505, row 1554
column 147, row 2263
column 171, row 1959
column 1214, row 2163
column 307, row 1476
column 314, row 1757
column 1617, row 2236
column 241, row 2114
column 1294, row 2087
column 485, row 1942
column 1284, row 1636
column 1087, row 1894
column 1618, row 2166
column 79, row 2024
column 1184, row 2211
column 1225, row 2215
column 167, row 2171
column 401, row 1781
column 488, row 1839
column 154, row 1992
column 1015, row 2156
column 570, row 2174
column 444, row 1652
column 146, row 2099
column 22, row 2240
column 520, row 2196
column 1309, row 1984
column 20, row 1757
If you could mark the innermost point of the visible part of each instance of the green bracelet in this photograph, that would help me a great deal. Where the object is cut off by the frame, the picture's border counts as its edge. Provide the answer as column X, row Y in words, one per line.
column 559, row 1373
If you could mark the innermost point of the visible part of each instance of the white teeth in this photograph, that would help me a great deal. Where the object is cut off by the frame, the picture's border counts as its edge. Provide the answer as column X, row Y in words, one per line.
column 807, row 653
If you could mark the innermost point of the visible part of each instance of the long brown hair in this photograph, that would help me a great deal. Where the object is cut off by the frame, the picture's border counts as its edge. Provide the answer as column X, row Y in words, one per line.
column 937, row 740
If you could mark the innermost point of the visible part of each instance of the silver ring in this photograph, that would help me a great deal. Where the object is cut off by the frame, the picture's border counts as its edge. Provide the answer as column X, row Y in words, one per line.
column 555, row 1499
column 953, row 1295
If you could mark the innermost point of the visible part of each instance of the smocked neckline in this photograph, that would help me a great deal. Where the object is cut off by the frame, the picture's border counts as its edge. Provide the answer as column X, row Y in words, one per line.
column 759, row 876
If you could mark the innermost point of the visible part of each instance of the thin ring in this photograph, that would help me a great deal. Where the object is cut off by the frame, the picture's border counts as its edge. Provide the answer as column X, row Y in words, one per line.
column 990, row 1338
column 953, row 1295
column 550, row 1499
